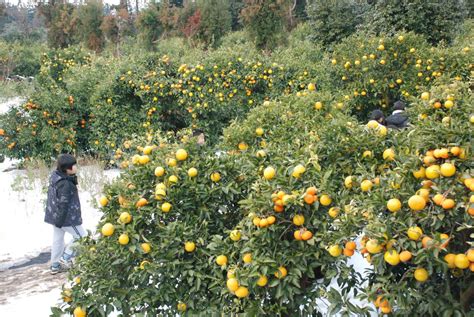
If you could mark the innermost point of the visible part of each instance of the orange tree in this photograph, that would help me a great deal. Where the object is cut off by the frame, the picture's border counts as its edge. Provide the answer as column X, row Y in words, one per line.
column 377, row 71
column 299, row 181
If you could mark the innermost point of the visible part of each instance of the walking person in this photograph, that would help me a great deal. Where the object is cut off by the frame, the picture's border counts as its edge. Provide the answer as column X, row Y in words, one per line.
column 63, row 212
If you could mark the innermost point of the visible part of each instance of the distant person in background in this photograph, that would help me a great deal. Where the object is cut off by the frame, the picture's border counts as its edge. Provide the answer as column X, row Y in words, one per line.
column 378, row 116
column 63, row 212
column 399, row 118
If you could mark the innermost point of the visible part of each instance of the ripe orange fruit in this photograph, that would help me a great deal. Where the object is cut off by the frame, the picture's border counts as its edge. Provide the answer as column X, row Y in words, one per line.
column 414, row 233
column 306, row 235
column 125, row 217
column 461, row 261
column 298, row 235
column 438, row 199
column 309, row 199
column 419, row 173
column 146, row 247
column 215, row 177
column 312, row 191
column 348, row 252
column 432, row 171
column 416, row 202
column 350, row 245
column 247, row 258
column 448, row 203
column 281, row 273
column 278, row 208
column 373, row 246
column 470, row 255
column 271, row 220
column 455, row 150
column 426, row 242
column 405, row 256
column 366, row 185
column 141, row 202
column 449, row 258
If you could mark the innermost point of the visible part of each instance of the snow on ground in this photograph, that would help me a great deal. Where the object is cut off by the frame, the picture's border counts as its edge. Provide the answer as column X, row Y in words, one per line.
column 38, row 304
column 7, row 104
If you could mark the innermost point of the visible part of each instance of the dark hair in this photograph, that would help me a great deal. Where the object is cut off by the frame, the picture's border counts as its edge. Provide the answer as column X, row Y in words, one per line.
column 399, row 105
column 66, row 162
column 197, row 132
column 377, row 114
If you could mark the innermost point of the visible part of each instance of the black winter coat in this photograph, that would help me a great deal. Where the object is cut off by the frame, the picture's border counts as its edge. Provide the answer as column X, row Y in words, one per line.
column 63, row 208
column 397, row 121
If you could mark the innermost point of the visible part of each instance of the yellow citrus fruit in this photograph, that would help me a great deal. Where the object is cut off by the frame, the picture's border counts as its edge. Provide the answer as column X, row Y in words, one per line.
column 125, row 217
column 124, row 239
column 281, row 273
column 373, row 246
column 335, row 250
column 405, row 256
column 181, row 307
column 247, row 258
column 414, row 233
column 215, row 177
column 366, row 185
column 421, row 275
column 181, row 155
column 416, row 202
column 325, row 200
column 166, row 207
column 143, row 159
column 262, row 281
column 147, row 150
column 108, row 229
column 461, row 261
column 298, row 220
column 432, row 172
column 425, row 96
column 269, row 173
column 438, row 199
column 146, row 247
column 171, row 162
column 192, row 172
column 448, row 104
column 232, row 284
column 450, row 260
column 189, row 246
column 394, row 205
column 79, row 312
column 242, row 292
column 392, row 257
column 235, row 235
column 448, row 203
column 348, row 182
column 173, row 179
column 311, row 87
column 103, row 201
column 318, row 105
column 389, row 155
column 372, row 124
column 447, row 169
column 221, row 260
column 259, row 131
column 419, row 173
column 159, row 171
column 333, row 212
column 243, row 146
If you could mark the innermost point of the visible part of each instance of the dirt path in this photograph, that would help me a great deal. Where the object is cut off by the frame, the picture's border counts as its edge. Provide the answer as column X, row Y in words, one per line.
column 29, row 278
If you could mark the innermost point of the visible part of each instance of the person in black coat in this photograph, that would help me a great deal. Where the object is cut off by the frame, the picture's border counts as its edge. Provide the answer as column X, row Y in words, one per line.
column 63, row 212
column 378, row 116
column 399, row 118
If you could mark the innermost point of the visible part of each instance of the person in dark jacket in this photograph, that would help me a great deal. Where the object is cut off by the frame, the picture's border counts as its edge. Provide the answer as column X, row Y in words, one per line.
column 378, row 116
column 63, row 212
column 399, row 118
